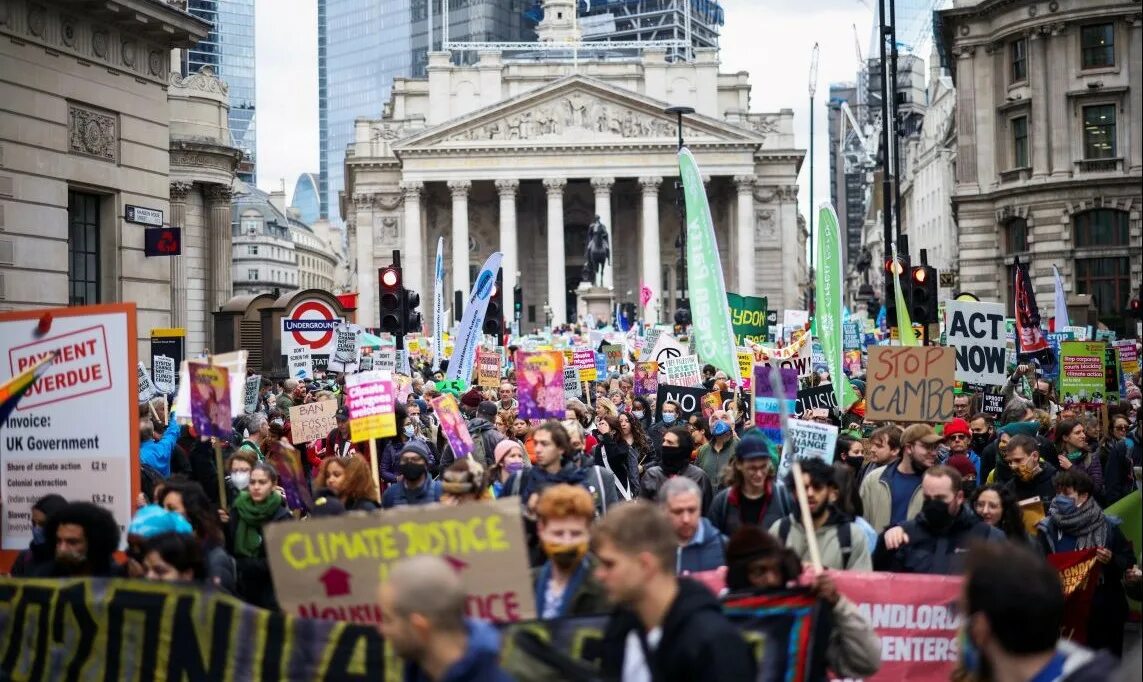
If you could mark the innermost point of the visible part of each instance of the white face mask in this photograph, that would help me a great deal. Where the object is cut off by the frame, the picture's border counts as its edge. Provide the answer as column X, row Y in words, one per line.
column 410, row 431
column 240, row 479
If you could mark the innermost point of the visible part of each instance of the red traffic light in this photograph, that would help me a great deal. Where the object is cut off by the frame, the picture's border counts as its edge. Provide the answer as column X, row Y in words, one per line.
column 893, row 266
column 390, row 277
column 919, row 274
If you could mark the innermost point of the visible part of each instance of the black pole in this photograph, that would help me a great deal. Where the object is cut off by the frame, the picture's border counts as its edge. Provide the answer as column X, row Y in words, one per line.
column 683, row 300
column 896, row 120
column 886, row 189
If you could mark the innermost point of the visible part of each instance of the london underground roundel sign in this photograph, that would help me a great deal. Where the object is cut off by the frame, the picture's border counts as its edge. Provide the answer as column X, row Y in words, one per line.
column 309, row 325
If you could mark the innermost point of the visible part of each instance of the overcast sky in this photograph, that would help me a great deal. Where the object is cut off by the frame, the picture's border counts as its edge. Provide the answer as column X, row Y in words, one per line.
column 772, row 39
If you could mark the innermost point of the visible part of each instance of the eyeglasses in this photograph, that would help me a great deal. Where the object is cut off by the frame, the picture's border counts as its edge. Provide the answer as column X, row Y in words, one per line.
column 957, row 436
column 1120, row 427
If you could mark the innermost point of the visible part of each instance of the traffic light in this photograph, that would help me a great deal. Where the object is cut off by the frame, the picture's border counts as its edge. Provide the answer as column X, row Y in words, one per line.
column 923, row 299
column 901, row 270
column 391, row 299
column 518, row 303
column 412, row 317
column 494, row 315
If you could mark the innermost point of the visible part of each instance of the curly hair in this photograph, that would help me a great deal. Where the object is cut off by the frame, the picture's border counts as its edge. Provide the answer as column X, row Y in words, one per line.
column 180, row 551
column 562, row 501
column 100, row 530
column 639, row 437
column 200, row 511
column 356, row 482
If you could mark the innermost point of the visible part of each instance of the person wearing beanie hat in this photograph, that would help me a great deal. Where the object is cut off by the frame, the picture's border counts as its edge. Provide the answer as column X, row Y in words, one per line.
column 509, row 458
column 967, row 471
column 755, row 496
column 415, row 486
column 958, row 438
column 891, row 494
column 470, row 401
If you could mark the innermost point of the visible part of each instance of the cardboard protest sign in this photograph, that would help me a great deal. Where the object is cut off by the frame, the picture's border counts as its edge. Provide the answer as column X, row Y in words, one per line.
column 646, row 380
column 809, row 439
column 977, row 331
column 329, row 568
column 572, row 387
column 613, row 352
column 347, row 348
column 910, row 383
column 688, row 399
column 487, row 368
column 683, row 371
column 748, row 316
column 250, row 393
column 147, row 388
column 311, row 421
column 370, row 401
column 584, row 360
column 822, row 396
column 1082, row 375
column 301, row 363
column 163, row 371
column 767, row 408
column 210, row 400
column 540, row 382
column 452, row 423
column 665, row 348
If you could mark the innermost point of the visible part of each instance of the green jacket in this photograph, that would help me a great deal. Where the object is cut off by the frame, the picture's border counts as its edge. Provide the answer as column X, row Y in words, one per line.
column 877, row 498
column 713, row 462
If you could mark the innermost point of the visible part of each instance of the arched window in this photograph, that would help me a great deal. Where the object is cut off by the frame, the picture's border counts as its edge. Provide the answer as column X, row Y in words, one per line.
column 1100, row 227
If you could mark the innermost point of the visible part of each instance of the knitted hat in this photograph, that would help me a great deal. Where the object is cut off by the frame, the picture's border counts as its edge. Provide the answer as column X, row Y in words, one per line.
column 504, row 447
column 153, row 520
column 472, row 398
column 858, row 385
column 417, row 446
column 754, row 445
column 1029, row 428
column 963, row 465
column 957, row 425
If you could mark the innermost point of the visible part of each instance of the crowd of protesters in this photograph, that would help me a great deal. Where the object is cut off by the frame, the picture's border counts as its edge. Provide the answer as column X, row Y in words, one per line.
column 623, row 499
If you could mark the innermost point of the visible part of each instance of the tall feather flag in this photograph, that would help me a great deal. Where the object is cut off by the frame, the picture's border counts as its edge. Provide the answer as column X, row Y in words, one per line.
column 904, row 323
column 17, row 386
column 438, row 306
column 1061, row 319
column 830, row 313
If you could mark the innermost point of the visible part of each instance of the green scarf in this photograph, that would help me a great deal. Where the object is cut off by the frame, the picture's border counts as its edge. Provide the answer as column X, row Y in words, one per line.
column 253, row 446
column 251, row 517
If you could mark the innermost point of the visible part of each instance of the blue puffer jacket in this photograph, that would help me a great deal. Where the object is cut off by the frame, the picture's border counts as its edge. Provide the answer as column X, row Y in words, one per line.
column 480, row 662
column 705, row 552
column 157, row 454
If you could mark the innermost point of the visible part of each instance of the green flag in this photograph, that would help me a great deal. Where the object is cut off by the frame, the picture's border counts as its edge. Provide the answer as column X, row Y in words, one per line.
column 904, row 324
column 712, row 330
column 828, row 303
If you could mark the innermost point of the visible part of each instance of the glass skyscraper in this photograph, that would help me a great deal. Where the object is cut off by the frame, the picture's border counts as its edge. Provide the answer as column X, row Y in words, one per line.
column 229, row 50
column 305, row 198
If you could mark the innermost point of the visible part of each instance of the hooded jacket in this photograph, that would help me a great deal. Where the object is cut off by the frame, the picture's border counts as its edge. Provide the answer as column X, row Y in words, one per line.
column 398, row 495
column 705, row 552
column 480, row 662
column 829, row 543
column 698, row 642
column 654, row 478
column 933, row 551
column 596, row 480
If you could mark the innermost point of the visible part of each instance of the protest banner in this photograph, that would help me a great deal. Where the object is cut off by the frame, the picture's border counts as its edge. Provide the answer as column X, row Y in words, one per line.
column 365, row 362
column 991, row 400
column 147, row 388
column 163, row 372
column 540, row 384
column 250, row 393
column 301, row 363
column 767, row 409
column 683, row 371
column 453, row 425
column 646, row 380
column 311, row 421
column 688, row 399
column 572, row 387
column 464, row 352
column 1082, row 377
column 370, row 401
column 76, row 428
column 487, row 368
column 665, row 348
column 583, row 359
column 822, row 396
column 235, row 365
column 210, row 400
column 1128, row 358
column 347, row 348
column 1079, row 573
column 799, row 355
column 977, row 331
column 748, row 318
column 329, row 568
column 910, row 383
column 809, row 439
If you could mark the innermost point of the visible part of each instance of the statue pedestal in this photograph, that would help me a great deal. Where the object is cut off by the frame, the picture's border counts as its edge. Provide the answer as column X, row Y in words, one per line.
column 598, row 301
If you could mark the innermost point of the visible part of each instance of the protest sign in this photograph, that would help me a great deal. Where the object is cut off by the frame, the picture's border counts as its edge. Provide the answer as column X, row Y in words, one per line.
column 75, row 430
column 646, row 380
column 311, row 421
column 452, row 423
column 799, row 357
column 851, row 335
column 991, row 400
column 301, row 363
column 250, row 393
column 210, row 400
column 748, row 318
column 329, row 568
column 613, row 352
column 1082, row 375
column 977, row 331
column 745, row 369
column 385, row 360
column 665, row 348
column 851, row 363
column 1078, row 333
column 287, row 461
column 1079, row 573
column 809, row 439
column 910, row 383
column 795, row 318
column 683, row 371
column 1105, row 335
column 163, row 372
column 487, row 368
column 147, row 389
column 347, row 348
column 583, row 359
column 1052, row 372
column 1128, row 358
column 767, row 408
column 822, row 396
column 370, row 401
column 540, row 384
column 572, row 387
column 688, row 399
column 365, row 363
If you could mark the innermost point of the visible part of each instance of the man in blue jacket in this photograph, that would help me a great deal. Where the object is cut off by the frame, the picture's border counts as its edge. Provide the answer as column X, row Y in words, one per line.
column 415, row 486
column 157, row 453
column 701, row 546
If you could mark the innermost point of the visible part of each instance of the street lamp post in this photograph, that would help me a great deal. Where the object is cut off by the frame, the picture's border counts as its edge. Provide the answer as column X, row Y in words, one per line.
column 813, row 91
column 680, row 203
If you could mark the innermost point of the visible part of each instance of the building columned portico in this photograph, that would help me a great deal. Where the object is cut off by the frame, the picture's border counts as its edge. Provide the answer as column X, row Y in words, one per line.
column 521, row 155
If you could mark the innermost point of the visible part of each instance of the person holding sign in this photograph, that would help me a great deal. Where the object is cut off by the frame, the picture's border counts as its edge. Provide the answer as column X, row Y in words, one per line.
column 157, row 453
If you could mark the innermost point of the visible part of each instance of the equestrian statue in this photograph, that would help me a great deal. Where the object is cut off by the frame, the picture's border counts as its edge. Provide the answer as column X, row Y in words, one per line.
column 597, row 254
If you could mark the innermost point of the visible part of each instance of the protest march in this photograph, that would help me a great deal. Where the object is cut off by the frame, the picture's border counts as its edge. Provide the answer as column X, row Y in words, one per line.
column 931, row 490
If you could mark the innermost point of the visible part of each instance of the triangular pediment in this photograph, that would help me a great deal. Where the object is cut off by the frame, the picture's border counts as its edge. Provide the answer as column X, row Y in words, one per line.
column 574, row 110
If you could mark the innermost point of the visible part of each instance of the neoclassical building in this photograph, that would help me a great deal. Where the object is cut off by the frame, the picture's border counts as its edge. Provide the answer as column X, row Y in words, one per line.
column 1049, row 132
column 519, row 155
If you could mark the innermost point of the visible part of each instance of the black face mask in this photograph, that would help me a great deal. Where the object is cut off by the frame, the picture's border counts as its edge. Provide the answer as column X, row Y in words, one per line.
column 980, row 441
column 411, row 471
column 675, row 457
column 936, row 514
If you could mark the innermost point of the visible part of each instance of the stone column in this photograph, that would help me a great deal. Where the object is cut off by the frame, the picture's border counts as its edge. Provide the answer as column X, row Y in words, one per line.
column 460, row 282
column 219, row 263
column 744, row 235
column 557, row 280
column 1133, row 150
column 650, row 259
column 1060, row 120
column 511, row 263
column 179, row 191
column 602, row 187
column 363, row 261
column 1039, row 123
column 413, row 262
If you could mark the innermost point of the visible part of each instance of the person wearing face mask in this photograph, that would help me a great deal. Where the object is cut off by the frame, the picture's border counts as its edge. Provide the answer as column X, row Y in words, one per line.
column 641, row 410
column 716, row 455
column 510, row 459
column 1032, row 476
column 669, row 418
column 1076, row 522
column 409, row 429
column 891, row 494
column 676, row 461
column 39, row 552
column 415, row 486
column 755, row 496
column 254, row 508
column 980, row 435
column 1017, row 419
column 238, row 468
column 840, row 540
column 935, row 541
column 564, row 584
column 1013, row 606
column 85, row 537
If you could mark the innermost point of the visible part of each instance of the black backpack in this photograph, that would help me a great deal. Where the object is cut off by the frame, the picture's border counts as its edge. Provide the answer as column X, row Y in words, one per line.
column 844, row 538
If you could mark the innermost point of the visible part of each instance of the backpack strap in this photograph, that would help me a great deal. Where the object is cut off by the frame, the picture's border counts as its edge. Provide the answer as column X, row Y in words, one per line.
column 784, row 529
column 517, row 483
column 602, row 492
column 845, row 539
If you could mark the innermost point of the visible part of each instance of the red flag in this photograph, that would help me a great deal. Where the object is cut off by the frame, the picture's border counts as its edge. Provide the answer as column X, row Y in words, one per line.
column 1079, row 572
column 1030, row 338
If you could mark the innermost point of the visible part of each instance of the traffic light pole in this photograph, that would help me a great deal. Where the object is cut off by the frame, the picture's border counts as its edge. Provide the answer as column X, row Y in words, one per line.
column 886, row 186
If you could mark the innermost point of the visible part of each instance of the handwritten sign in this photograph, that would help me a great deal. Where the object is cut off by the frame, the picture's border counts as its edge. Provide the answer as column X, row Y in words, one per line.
column 977, row 331
column 329, row 568
column 311, row 421
column 487, row 368
column 370, row 401
column 683, row 371
column 301, row 363
column 910, row 383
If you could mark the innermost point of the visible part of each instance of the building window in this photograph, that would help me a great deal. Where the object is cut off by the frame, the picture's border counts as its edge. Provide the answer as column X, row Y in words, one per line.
column 1018, row 50
column 252, row 275
column 1108, row 281
column 1011, row 288
column 1020, row 142
column 1099, row 131
column 1097, row 45
column 1016, row 236
column 1100, row 227
column 253, row 249
column 83, row 248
